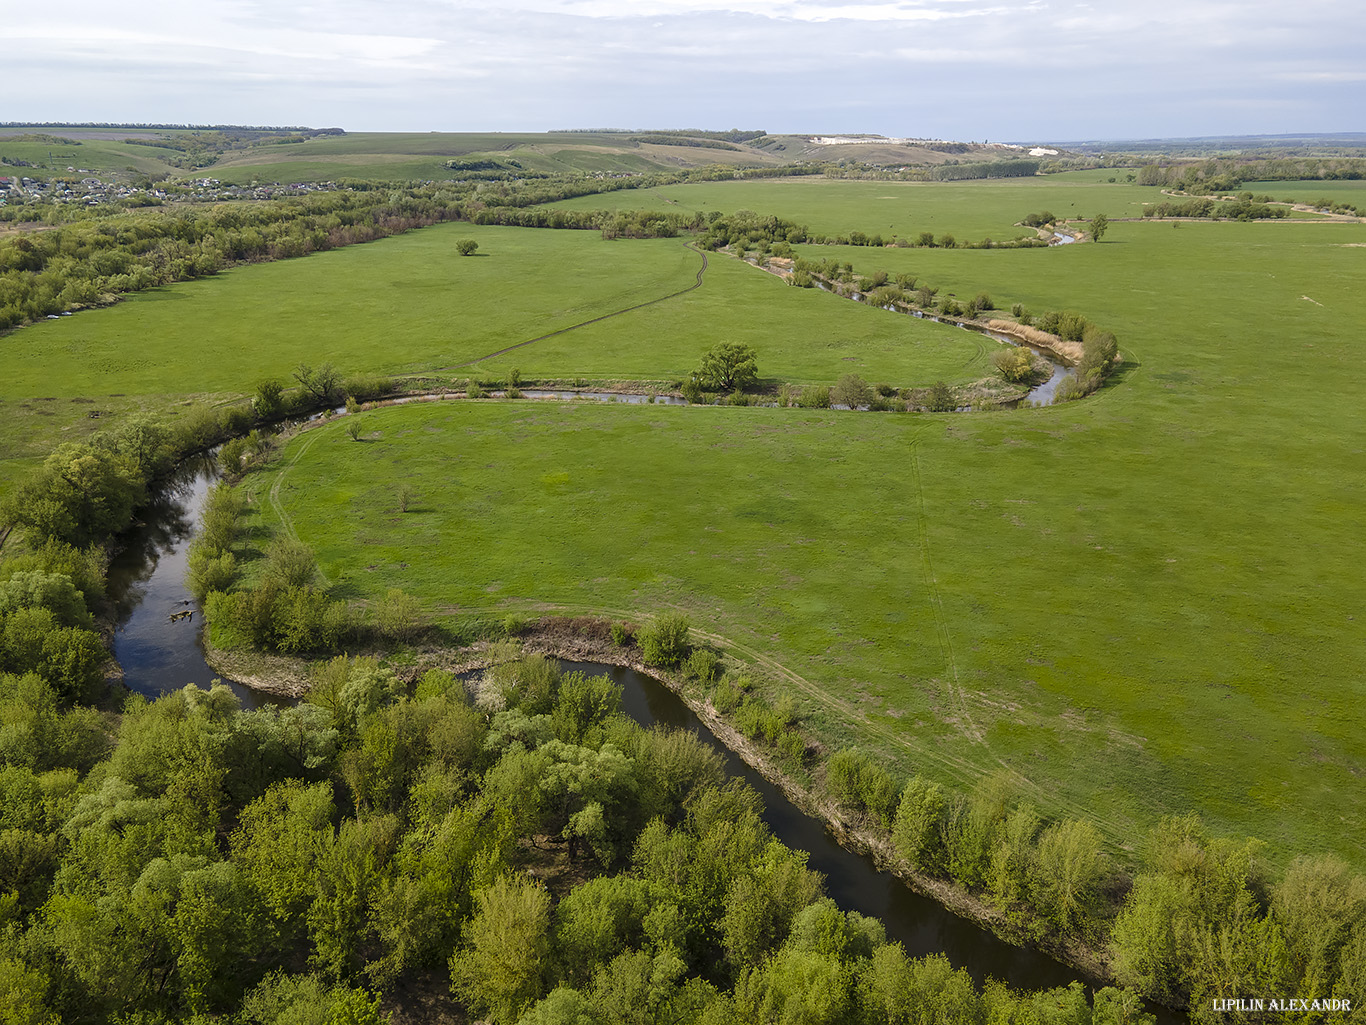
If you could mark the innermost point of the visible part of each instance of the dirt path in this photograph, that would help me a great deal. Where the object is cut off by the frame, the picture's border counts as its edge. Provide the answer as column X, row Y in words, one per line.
column 596, row 320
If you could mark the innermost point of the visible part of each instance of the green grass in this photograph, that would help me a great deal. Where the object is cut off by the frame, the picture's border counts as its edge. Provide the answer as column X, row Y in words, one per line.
column 1148, row 601
column 397, row 156
column 103, row 157
column 961, row 593
column 411, row 305
column 1353, row 192
column 970, row 210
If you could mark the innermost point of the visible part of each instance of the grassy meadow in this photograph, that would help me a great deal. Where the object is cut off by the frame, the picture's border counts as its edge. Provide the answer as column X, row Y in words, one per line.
column 412, row 305
column 959, row 594
column 1144, row 602
column 970, row 211
column 103, row 157
column 396, row 156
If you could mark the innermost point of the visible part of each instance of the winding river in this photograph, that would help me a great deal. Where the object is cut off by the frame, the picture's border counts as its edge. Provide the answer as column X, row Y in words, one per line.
column 147, row 583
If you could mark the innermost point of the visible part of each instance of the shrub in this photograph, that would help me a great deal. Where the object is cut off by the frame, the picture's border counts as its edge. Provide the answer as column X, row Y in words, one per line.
column 466, row 246
column 368, row 386
column 940, row 398
column 354, row 427
column 268, row 402
column 853, row 779
column 473, row 390
column 701, row 665
column 218, row 519
column 814, row 396
column 52, row 591
column 621, row 634
column 514, row 623
column 664, row 642
column 399, row 615
column 852, row 391
column 792, row 745
column 1013, row 364
column 918, row 832
column 290, row 562
column 210, row 570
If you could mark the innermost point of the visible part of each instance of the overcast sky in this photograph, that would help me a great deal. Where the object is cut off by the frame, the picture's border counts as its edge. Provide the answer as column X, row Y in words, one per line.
column 1007, row 70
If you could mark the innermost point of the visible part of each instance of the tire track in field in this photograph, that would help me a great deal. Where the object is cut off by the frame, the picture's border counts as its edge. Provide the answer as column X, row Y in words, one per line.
column 273, row 495
column 941, row 624
column 596, row 320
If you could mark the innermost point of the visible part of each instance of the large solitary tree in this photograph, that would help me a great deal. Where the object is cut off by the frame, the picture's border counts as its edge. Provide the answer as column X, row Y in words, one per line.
column 728, row 366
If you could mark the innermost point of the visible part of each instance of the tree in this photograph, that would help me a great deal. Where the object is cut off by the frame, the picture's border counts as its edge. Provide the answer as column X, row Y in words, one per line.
column 852, row 391
column 501, row 971
column 466, row 246
column 1100, row 224
column 728, row 367
column 321, row 383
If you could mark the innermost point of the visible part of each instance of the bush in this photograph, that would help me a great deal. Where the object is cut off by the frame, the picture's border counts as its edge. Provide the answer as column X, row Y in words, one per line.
column 268, row 403
column 34, row 589
column 514, row 623
column 473, row 390
column 210, row 570
column 918, row 832
column 621, row 634
column 852, row 391
column 940, row 398
column 853, row 779
column 466, row 246
column 290, row 562
column 399, row 615
column 1014, row 364
column 664, row 642
column 701, row 665
column 814, row 396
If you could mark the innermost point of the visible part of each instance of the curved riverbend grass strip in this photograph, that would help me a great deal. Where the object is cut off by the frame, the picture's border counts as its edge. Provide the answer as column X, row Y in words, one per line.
column 798, row 536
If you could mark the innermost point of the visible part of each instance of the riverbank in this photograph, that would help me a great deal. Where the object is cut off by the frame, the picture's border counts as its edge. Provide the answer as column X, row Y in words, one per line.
column 288, row 677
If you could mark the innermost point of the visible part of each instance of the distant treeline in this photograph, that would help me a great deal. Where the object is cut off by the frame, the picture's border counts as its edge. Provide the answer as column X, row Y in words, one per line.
column 170, row 127
column 683, row 140
column 1241, row 209
column 47, row 272
column 989, row 169
column 1228, row 174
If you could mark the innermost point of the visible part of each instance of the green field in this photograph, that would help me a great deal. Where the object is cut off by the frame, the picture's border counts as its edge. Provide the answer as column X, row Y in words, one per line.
column 959, row 593
column 411, row 305
column 397, row 156
column 970, row 210
column 102, row 157
column 1146, row 601
column 1353, row 192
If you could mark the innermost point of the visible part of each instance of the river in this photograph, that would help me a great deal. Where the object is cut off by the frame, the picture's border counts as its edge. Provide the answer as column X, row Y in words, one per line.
column 147, row 584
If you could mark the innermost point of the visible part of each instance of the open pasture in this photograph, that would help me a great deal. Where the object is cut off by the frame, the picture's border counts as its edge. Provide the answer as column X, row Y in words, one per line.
column 395, row 156
column 102, row 157
column 970, row 211
column 412, row 305
column 1040, row 591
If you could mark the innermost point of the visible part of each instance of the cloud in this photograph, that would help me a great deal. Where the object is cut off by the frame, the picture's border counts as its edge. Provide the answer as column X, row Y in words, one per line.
column 1020, row 69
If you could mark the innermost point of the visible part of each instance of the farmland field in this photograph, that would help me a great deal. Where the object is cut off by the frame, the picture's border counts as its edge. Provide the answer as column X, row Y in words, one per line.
column 411, row 305
column 969, row 210
column 1144, row 602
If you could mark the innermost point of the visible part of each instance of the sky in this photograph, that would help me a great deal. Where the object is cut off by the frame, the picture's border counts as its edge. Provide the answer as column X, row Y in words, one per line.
column 972, row 70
